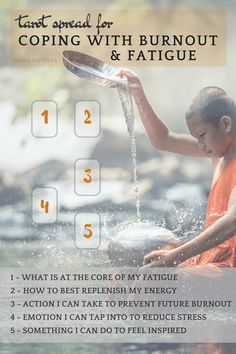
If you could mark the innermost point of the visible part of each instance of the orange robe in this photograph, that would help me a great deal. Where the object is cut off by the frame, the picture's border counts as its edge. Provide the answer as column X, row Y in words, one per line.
column 223, row 255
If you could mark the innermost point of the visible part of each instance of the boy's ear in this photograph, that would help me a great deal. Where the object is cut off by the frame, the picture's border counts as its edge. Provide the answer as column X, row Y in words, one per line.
column 226, row 123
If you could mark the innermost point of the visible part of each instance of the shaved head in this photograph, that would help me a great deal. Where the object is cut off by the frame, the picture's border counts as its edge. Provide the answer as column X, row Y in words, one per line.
column 211, row 104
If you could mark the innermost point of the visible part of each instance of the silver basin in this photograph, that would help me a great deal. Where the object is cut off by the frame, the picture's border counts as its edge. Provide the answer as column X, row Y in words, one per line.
column 130, row 245
column 90, row 68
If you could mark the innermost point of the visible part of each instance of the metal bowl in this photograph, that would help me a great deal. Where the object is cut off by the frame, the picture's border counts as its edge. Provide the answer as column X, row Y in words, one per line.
column 134, row 240
column 92, row 69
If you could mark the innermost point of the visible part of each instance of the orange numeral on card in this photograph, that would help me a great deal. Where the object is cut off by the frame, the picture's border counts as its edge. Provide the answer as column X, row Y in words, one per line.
column 87, row 115
column 87, row 227
column 88, row 179
column 45, row 115
column 44, row 205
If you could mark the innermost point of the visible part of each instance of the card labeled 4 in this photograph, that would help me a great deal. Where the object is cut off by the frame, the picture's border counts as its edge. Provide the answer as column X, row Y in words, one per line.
column 44, row 205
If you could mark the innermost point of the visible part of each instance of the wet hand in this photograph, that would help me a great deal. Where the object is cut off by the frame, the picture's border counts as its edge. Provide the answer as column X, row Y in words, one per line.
column 160, row 258
column 134, row 84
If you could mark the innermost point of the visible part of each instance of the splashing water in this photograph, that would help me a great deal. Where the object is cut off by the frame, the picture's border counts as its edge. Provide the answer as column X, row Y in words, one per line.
column 127, row 106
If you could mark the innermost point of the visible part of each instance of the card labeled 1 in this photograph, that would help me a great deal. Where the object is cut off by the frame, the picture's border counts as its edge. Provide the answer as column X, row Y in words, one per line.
column 44, row 205
column 44, row 119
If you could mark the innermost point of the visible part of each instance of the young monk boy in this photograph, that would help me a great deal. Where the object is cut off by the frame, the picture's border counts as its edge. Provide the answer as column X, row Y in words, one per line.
column 211, row 120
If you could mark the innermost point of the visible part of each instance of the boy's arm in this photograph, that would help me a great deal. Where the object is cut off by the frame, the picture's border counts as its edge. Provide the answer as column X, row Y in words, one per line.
column 158, row 132
column 222, row 229
column 164, row 139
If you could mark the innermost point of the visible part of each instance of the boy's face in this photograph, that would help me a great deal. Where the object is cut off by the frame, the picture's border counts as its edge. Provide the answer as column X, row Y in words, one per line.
column 214, row 140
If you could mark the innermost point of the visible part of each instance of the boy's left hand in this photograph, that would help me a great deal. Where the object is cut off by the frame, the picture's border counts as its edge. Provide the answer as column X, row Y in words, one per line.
column 160, row 258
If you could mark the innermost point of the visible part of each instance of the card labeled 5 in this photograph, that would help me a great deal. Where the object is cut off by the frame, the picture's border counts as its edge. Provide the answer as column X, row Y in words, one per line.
column 87, row 230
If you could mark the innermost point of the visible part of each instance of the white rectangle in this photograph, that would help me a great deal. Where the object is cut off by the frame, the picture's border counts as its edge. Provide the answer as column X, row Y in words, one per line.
column 87, row 230
column 44, row 205
column 87, row 119
column 87, row 177
column 44, row 119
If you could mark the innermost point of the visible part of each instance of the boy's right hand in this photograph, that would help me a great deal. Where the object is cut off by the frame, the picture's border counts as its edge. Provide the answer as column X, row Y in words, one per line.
column 160, row 258
column 134, row 84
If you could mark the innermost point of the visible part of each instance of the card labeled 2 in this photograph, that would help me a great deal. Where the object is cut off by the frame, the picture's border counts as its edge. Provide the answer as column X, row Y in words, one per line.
column 44, row 119
column 87, row 119
column 87, row 230
column 87, row 177
column 44, row 205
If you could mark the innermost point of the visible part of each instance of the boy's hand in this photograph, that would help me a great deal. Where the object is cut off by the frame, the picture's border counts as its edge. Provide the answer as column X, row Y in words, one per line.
column 134, row 84
column 160, row 258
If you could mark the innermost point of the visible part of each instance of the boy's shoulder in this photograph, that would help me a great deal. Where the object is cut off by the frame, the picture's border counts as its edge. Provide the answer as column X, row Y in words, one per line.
column 215, row 161
column 227, row 169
